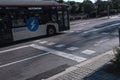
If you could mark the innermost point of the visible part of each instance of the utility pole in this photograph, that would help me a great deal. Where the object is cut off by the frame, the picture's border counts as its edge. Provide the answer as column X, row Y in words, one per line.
column 119, row 35
column 82, row 12
column 108, row 10
column 96, row 7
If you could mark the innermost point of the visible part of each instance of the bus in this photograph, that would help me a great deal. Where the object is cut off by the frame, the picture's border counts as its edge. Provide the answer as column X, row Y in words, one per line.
column 24, row 19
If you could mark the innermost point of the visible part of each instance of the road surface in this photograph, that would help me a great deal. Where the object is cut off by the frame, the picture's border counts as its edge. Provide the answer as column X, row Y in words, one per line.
column 45, row 57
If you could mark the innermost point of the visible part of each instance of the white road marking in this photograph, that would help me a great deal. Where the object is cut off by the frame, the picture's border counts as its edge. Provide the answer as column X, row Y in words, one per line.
column 90, row 31
column 14, row 49
column 60, row 45
column 37, row 41
column 78, row 31
column 43, row 42
column 80, row 24
column 88, row 52
column 59, row 53
column 104, row 33
column 50, row 44
column 114, row 17
column 8, row 64
column 93, row 30
column 100, row 42
column 72, row 48
column 65, row 31
column 103, row 40
column 71, row 31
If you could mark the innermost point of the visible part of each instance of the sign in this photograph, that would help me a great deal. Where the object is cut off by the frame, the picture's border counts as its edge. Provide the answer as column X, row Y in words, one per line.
column 32, row 24
column 34, row 8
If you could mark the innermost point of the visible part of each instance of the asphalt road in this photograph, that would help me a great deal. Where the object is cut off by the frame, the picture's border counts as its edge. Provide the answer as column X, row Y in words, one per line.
column 45, row 57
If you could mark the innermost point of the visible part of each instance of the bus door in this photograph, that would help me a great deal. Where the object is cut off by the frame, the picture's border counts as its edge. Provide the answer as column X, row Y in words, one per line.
column 5, row 29
column 63, row 20
column 66, row 20
column 60, row 20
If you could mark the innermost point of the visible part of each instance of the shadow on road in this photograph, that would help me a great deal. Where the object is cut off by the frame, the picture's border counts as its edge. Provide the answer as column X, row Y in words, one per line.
column 26, row 40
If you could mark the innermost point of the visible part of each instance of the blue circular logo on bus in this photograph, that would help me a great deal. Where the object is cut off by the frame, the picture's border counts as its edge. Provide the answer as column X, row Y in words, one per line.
column 32, row 24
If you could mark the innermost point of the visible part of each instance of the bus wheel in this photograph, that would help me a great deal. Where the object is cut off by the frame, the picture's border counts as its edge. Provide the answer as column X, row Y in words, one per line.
column 51, row 31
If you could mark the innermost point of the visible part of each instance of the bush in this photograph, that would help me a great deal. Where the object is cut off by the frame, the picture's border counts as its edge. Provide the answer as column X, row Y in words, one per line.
column 117, row 57
column 114, row 67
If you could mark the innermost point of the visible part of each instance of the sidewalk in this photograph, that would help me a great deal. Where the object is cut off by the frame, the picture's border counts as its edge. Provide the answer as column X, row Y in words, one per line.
column 90, row 70
column 101, row 18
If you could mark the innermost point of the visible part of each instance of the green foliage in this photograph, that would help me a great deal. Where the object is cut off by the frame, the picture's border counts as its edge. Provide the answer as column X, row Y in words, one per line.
column 88, row 7
column 117, row 55
column 73, row 7
column 99, row 8
column 60, row 1
column 116, row 4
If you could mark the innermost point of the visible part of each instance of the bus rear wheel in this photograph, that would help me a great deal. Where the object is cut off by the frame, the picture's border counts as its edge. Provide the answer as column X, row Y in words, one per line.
column 51, row 31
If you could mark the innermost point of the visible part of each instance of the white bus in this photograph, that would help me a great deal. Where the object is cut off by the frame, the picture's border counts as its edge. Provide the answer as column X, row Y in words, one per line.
column 23, row 19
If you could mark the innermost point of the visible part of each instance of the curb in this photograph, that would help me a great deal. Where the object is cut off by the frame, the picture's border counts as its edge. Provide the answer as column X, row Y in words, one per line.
column 79, row 65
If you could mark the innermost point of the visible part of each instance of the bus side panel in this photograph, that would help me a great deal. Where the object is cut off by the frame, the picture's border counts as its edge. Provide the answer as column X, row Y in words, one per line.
column 24, row 33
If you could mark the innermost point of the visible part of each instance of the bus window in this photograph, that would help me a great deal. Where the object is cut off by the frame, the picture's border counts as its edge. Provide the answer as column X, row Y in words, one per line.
column 4, row 21
column 18, row 19
column 60, row 18
column 54, row 16
column 47, row 16
column 5, row 27
column 37, row 15
column 66, row 19
column 59, row 15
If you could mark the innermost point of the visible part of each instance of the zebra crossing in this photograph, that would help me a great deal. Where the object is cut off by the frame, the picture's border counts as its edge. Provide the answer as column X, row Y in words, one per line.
column 66, row 48
column 59, row 53
column 70, row 48
column 46, row 43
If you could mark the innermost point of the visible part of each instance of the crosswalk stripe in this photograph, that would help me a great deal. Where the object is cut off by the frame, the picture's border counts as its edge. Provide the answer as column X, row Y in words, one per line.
column 100, row 42
column 60, row 45
column 59, row 53
column 72, row 48
column 43, row 42
column 88, row 52
column 37, row 41
column 50, row 44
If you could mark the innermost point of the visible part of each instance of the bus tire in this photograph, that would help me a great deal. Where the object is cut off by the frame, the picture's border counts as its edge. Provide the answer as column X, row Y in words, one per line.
column 51, row 31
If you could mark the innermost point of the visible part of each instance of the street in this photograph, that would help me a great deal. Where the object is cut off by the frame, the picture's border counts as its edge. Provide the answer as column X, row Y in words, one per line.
column 45, row 57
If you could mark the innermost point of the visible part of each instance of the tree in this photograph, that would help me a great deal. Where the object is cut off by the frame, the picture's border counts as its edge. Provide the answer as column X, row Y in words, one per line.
column 73, row 7
column 103, row 7
column 116, row 4
column 88, row 7
column 60, row 1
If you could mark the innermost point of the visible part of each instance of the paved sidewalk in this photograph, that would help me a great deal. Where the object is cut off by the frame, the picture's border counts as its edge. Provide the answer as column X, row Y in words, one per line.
column 101, row 18
column 90, row 70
